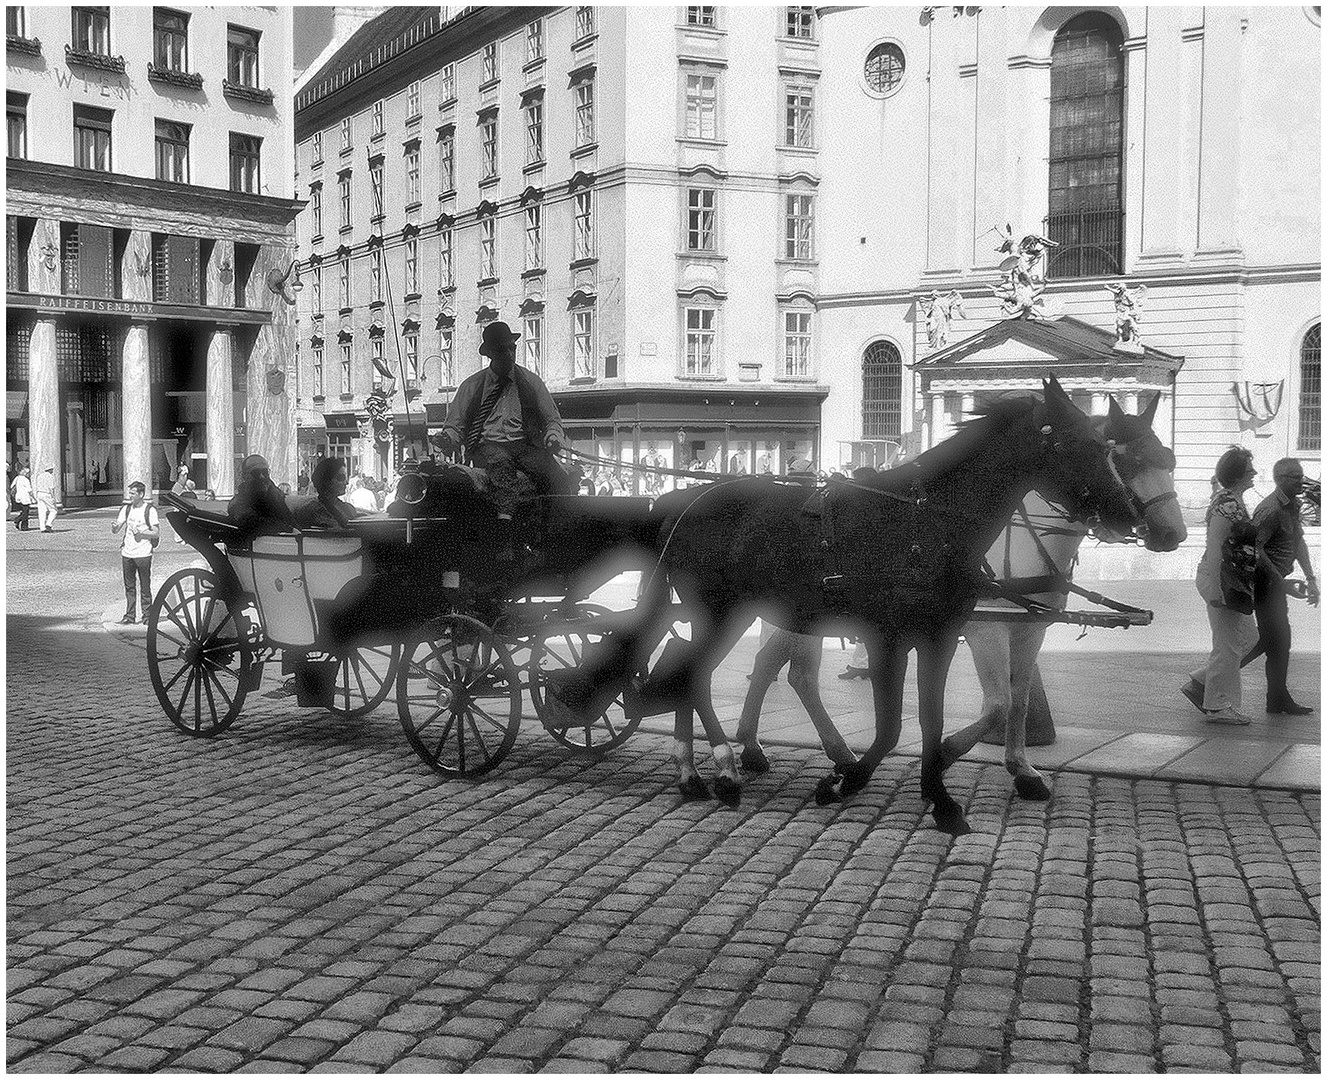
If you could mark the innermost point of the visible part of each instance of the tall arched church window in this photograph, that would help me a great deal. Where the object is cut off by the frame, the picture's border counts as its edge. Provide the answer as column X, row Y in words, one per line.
column 1310, row 390
column 882, row 392
column 1086, row 198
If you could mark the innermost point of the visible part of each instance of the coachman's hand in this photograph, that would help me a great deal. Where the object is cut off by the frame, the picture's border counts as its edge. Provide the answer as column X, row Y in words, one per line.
column 1312, row 594
column 553, row 442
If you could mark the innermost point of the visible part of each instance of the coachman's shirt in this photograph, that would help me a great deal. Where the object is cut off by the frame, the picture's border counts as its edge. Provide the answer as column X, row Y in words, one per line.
column 524, row 411
column 1280, row 533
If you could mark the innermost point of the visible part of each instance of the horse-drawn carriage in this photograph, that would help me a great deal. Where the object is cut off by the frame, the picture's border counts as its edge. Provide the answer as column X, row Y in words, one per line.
column 415, row 607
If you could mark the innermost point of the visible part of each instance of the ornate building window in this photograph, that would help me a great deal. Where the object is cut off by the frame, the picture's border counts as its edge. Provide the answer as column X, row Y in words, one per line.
column 534, row 237
column 345, row 369
column 170, row 40
column 316, row 209
column 16, row 123
column 534, row 41
column 584, row 22
column 318, row 382
column 445, row 356
column 92, row 138
column 487, row 248
column 799, row 116
column 884, row 69
column 582, row 344
column 92, row 30
column 799, row 227
column 412, row 266
column 242, row 56
column 412, row 100
column 488, row 131
column 447, row 161
column 245, row 154
column 345, row 133
column 375, row 276
column 317, row 153
column 376, row 119
column 583, row 212
column 796, row 344
column 445, row 276
column 534, row 131
column 698, row 357
column 702, row 107
column 585, row 112
column 411, row 340
column 172, row 142
column 343, row 184
column 1085, row 210
column 1310, row 390
column 801, row 22
column 377, row 365
column 447, row 82
column 533, row 339
column 412, row 175
column 700, row 15
column 343, row 284
column 317, row 290
column 702, row 219
column 882, row 392
column 488, row 68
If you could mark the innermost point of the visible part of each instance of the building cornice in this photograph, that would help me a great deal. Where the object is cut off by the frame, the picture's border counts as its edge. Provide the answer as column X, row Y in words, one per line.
column 64, row 193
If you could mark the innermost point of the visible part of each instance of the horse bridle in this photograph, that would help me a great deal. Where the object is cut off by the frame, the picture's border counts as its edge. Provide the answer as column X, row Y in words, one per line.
column 1138, row 506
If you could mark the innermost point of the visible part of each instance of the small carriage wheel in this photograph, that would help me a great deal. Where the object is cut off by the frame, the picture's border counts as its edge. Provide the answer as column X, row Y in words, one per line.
column 198, row 654
column 364, row 677
column 458, row 695
column 561, row 644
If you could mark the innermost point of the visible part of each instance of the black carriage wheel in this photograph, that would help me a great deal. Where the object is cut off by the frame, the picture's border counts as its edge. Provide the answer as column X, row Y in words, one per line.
column 458, row 696
column 200, row 662
column 561, row 644
column 364, row 678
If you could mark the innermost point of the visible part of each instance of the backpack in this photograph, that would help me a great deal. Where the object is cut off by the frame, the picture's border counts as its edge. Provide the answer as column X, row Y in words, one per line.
column 147, row 520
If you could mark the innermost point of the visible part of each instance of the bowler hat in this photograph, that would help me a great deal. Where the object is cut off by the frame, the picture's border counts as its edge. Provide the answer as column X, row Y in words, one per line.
column 495, row 334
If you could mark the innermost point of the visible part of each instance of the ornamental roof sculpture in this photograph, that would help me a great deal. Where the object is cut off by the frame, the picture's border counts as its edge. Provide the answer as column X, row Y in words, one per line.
column 1020, row 289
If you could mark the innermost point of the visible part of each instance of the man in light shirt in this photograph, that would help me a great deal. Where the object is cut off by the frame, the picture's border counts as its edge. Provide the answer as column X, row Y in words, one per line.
column 141, row 526
column 505, row 420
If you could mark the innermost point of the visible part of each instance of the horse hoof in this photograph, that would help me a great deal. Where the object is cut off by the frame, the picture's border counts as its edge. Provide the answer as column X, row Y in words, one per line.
column 694, row 789
column 854, row 778
column 826, row 793
column 1032, row 787
column 754, row 760
column 952, row 821
column 728, row 792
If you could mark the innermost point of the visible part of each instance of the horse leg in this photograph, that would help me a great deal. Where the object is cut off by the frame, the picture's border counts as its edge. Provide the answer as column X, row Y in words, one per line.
column 804, row 678
column 712, row 639
column 769, row 660
column 933, row 659
column 990, row 647
column 688, row 780
column 889, row 668
column 1025, row 645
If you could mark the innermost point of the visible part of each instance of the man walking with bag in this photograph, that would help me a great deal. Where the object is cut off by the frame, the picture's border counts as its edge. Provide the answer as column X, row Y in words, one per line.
column 139, row 522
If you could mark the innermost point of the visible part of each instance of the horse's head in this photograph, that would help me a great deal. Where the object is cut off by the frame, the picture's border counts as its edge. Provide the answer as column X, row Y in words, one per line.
column 1075, row 468
column 1146, row 468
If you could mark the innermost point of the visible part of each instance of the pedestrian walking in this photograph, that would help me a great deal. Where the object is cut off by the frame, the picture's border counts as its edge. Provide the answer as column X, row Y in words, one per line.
column 1224, row 580
column 1280, row 544
column 140, row 524
column 20, row 491
column 44, row 491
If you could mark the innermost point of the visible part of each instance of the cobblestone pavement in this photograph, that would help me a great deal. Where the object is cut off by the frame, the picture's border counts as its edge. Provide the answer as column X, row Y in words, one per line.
column 301, row 894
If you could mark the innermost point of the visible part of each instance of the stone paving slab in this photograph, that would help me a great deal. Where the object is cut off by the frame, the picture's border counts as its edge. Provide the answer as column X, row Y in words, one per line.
column 302, row 894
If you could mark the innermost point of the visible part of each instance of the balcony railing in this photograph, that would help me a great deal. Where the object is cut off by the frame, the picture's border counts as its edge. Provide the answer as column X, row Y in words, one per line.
column 1091, row 243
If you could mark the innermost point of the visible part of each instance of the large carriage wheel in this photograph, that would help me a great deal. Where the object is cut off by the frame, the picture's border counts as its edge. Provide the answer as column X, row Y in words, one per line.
column 561, row 644
column 363, row 680
column 197, row 654
column 458, row 695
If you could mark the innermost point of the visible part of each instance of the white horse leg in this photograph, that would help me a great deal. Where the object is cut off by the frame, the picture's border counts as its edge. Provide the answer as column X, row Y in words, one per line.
column 1025, row 644
column 688, row 780
column 989, row 642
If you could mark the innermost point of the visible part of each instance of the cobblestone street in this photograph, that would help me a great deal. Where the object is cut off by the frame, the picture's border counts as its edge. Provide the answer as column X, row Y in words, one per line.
column 302, row 894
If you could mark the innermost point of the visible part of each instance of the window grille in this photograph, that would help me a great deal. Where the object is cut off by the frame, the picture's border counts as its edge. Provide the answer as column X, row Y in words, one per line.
column 18, row 340
column 884, row 68
column 701, row 219
column 242, row 56
column 882, row 392
column 1085, row 208
column 84, row 353
column 1310, row 390
column 699, row 341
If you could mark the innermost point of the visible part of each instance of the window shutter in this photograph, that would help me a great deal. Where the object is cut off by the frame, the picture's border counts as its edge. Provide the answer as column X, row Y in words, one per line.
column 96, row 270
column 183, row 269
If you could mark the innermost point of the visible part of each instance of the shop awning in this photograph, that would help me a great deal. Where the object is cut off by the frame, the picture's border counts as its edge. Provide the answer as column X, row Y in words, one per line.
column 16, row 404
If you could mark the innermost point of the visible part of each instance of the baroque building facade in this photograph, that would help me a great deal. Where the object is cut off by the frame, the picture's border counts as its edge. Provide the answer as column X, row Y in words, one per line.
column 149, row 213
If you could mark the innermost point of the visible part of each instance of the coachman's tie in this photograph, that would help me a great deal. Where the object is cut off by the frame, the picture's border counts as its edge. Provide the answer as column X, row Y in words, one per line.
column 486, row 408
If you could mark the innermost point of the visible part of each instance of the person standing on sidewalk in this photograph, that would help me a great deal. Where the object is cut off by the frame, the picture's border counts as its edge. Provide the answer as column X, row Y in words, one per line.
column 20, row 491
column 45, row 494
column 1280, row 545
column 1215, row 687
column 138, row 521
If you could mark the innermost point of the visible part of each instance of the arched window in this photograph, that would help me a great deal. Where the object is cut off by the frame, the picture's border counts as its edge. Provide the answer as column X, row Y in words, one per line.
column 1086, row 204
column 1310, row 390
column 882, row 392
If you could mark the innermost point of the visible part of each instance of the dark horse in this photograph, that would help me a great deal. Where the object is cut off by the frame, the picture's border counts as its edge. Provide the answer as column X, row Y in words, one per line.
column 897, row 557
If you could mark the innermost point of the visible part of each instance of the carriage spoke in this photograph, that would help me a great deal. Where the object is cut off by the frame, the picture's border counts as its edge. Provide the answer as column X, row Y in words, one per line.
column 166, row 689
column 497, row 725
column 206, row 620
column 442, row 741
column 173, row 640
column 188, row 632
column 193, row 671
column 207, row 686
column 230, row 702
column 435, row 714
column 483, row 749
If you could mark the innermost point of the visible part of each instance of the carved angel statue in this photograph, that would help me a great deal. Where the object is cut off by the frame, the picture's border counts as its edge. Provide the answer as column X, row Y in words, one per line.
column 1020, row 290
column 939, row 309
column 1128, row 314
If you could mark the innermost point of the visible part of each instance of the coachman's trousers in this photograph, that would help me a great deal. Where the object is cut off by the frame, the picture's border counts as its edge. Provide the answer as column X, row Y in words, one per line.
column 505, row 461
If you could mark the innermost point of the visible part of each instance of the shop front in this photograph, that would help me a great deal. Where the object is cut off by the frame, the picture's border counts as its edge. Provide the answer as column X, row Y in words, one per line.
column 622, row 435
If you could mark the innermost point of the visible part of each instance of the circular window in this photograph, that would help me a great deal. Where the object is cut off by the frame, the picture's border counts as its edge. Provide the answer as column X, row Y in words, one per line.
column 884, row 68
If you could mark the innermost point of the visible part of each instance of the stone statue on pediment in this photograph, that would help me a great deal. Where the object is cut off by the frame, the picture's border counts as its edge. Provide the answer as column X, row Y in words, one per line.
column 939, row 309
column 1020, row 289
column 1128, row 314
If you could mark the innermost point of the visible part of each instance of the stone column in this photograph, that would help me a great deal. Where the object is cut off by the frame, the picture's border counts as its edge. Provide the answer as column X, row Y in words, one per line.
column 136, row 395
column 220, row 414
column 270, row 404
column 44, row 442
column 219, row 283
column 1221, row 114
column 1164, row 136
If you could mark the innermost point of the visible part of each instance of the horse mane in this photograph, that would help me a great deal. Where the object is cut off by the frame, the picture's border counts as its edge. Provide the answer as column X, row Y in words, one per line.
column 968, row 438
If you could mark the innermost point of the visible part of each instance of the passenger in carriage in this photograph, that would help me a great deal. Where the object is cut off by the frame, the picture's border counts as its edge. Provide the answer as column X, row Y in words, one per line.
column 328, row 510
column 258, row 506
column 504, row 419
